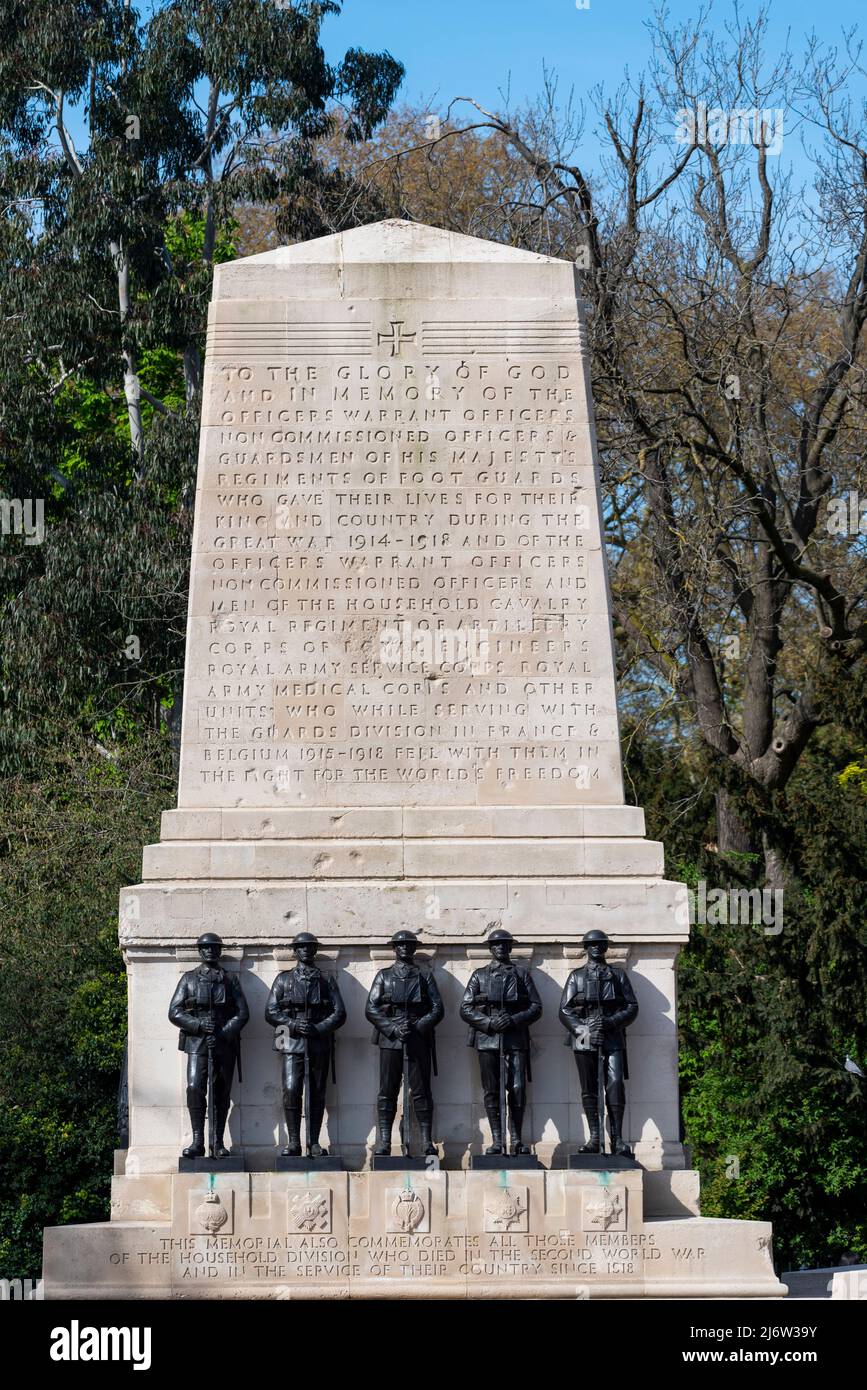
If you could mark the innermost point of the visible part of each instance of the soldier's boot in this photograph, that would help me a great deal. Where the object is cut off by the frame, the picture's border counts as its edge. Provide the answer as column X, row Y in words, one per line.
column 220, row 1150
column 615, row 1121
column 197, row 1119
column 424, row 1115
column 516, row 1121
column 496, row 1144
column 591, row 1110
column 293, row 1132
column 384, row 1120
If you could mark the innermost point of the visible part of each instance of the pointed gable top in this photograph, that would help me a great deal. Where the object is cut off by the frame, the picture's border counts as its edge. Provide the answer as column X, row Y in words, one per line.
column 394, row 240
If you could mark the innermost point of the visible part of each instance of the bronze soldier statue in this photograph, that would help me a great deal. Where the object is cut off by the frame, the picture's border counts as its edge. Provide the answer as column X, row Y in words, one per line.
column 597, row 1006
column 404, row 1006
column 306, row 1009
column 210, row 1009
column 500, row 1002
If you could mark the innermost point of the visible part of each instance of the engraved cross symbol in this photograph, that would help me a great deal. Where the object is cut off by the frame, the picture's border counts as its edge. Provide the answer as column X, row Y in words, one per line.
column 396, row 338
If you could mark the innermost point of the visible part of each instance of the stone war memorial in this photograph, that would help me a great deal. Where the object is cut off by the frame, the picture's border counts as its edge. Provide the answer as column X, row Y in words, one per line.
column 374, row 1033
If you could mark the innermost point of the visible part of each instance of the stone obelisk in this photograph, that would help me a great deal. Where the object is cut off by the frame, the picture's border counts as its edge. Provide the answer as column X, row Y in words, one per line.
column 399, row 705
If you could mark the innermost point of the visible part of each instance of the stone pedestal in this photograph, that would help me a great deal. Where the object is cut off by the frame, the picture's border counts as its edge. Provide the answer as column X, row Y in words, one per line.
column 400, row 711
column 403, row 1235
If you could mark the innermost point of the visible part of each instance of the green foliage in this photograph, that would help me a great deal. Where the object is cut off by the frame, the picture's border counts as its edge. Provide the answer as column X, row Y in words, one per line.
column 854, row 772
column 767, row 1020
column 68, row 843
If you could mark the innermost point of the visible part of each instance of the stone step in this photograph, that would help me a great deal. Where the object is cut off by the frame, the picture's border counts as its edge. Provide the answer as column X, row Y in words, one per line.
column 397, row 858
column 411, row 822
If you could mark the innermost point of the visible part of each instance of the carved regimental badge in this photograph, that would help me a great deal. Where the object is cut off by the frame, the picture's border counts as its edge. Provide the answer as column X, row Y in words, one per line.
column 311, row 1211
column 407, row 1210
column 603, row 1209
column 507, row 1209
column 211, row 1215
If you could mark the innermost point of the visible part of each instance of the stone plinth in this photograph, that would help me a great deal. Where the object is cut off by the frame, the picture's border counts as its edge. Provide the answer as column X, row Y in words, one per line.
column 403, row 1235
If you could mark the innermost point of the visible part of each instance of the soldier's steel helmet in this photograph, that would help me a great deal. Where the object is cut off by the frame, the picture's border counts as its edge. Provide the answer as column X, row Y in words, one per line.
column 500, row 935
column 304, row 938
column 591, row 936
column 209, row 938
column 404, row 935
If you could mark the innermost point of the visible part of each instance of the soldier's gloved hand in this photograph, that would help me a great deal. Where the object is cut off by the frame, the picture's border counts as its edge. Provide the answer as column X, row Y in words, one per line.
column 422, row 1026
column 501, row 1021
column 596, row 1036
column 304, row 1028
column 207, row 1026
column 403, row 1029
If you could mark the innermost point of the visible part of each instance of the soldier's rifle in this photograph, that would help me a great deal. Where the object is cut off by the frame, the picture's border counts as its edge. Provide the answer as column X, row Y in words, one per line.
column 600, row 1068
column 211, row 1043
column 406, row 1121
column 504, row 1117
column 307, row 1068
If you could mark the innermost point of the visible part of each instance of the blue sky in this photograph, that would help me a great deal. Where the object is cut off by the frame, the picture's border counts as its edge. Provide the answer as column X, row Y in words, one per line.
column 481, row 48
column 471, row 47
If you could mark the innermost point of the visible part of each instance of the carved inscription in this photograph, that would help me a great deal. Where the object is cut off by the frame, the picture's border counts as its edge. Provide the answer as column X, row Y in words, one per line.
column 398, row 590
column 304, row 1255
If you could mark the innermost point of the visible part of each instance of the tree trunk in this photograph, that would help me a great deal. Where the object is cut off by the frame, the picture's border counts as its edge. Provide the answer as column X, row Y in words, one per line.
column 776, row 872
column 131, row 382
column 732, row 836
column 192, row 373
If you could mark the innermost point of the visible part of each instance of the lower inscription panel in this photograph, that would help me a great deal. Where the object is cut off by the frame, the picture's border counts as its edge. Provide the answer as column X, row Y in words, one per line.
column 554, row 1233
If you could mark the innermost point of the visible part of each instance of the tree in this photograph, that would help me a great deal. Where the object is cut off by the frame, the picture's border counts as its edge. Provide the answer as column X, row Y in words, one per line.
column 107, row 255
column 726, row 314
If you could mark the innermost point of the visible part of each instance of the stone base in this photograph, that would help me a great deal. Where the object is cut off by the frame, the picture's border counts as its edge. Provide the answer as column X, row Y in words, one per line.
column 326, row 1163
column 233, row 1164
column 487, row 1162
column 401, row 1163
column 410, row 1234
column 601, row 1163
